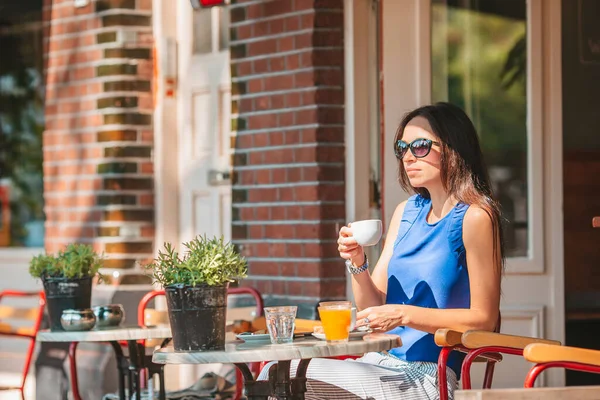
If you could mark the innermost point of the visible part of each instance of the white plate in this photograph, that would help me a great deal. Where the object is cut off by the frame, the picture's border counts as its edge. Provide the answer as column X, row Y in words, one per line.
column 353, row 335
column 261, row 337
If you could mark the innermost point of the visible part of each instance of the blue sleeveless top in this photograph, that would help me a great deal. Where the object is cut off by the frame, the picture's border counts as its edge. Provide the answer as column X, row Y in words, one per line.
column 428, row 268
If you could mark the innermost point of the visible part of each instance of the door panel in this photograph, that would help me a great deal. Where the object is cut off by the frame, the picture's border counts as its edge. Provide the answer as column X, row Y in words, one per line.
column 205, row 108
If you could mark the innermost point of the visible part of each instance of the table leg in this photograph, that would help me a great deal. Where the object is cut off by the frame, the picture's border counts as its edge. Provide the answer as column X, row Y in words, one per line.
column 136, row 364
column 299, row 382
column 73, row 368
column 279, row 385
column 255, row 390
column 122, row 367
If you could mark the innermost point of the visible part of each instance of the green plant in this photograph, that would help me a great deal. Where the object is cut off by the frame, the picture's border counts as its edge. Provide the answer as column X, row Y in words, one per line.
column 76, row 261
column 211, row 262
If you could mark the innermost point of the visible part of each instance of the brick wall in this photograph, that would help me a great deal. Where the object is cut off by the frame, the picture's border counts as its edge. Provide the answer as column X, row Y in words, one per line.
column 288, row 117
column 98, row 172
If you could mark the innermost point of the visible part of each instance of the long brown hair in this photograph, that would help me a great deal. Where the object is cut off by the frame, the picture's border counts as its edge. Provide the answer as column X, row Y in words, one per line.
column 463, row 171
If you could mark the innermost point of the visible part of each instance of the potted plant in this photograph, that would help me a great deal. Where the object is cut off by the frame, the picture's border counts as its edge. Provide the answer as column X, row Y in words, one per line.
column 196, row 285
column 67, row 278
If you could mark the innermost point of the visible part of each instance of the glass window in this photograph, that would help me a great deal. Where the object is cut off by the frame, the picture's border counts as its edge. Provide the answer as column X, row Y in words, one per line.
column 202, row 31
column 479, row 62
column 223, row 28
column 211, row 30
column 21, row 126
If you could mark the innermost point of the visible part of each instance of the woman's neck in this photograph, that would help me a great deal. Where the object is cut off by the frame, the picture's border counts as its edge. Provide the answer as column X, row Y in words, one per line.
column 441, row 204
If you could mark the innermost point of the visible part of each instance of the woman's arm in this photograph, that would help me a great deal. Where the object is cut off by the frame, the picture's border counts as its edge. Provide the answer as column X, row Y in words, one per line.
column 370, row 290
column 484, row 281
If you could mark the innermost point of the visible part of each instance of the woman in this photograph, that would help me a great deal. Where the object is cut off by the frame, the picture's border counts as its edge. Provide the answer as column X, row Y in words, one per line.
column 440, row 267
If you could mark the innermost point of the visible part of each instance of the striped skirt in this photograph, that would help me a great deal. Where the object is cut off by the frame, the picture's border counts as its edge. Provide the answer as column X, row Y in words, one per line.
column 375, row 376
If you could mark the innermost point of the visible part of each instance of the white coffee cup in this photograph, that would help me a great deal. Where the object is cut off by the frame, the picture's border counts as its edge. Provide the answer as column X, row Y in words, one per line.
column 367, row 232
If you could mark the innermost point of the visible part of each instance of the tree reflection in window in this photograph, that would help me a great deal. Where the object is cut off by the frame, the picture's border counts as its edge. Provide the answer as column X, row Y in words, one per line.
column 21, row 128
column 479, row 62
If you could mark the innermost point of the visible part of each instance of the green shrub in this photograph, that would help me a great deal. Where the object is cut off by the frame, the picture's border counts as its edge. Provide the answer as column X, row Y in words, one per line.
column 76, row 261
column 205, row 261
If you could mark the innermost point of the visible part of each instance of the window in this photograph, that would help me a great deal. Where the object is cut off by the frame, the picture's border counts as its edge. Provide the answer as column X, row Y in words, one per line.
column 211, row 30
column 479, row 62
column 21, row 125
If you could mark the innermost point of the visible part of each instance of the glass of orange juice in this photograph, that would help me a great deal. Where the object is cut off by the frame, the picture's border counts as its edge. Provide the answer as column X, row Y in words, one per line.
column 336, row 320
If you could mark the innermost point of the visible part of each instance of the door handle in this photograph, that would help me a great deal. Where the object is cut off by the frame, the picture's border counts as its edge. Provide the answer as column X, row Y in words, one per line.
column 218, row 178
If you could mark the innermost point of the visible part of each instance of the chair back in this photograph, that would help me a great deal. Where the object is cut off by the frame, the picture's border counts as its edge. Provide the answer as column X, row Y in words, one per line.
column 26, row 323
column 20, row 320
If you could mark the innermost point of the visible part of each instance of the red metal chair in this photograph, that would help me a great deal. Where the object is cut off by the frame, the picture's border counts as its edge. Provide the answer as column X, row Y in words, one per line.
column 33, row 314
column 552, row 356
column 479, row 346
column 161, row 317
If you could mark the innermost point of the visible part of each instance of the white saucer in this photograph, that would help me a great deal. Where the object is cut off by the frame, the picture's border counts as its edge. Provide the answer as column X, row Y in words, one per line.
column 261, row 337
column 353, row 335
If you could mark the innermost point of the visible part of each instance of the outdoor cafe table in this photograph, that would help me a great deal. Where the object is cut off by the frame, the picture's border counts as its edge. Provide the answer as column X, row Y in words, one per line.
column 279, row 384
column 113, row 336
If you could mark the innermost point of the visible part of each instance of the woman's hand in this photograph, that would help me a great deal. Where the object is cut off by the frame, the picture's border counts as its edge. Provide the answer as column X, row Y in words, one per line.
column 348, row 248
column 381, row 318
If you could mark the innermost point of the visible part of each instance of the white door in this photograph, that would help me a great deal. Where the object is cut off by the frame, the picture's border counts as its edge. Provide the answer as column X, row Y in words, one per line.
column 203, row 118
column 204, row 108
column 435, row 50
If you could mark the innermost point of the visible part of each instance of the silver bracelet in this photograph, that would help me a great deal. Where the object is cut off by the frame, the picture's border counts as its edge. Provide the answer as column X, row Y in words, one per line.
column 357, row 270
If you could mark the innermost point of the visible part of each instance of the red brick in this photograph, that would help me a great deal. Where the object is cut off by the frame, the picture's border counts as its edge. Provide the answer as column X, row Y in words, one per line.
column 264, row 268
column 293, row 213
column 277, row 249
column 304, row 154
column 286, row 194
column 256, row 232
column 276, row 138
column 294, row 288
column 273, row 8
column 263, row 176
column 292, row 23
column 261, row 66
column 294, row 174
column 244, row 31
column 288, row 269
column 286, row 119
column 279, row 175
column 146, row 167
column 293, row 100
column 276, row 26
column 277, row 64
column 277, row 213
column 333, row 289
column 146, row 200
column 294, row 250
column 262, row 213
column 278, row 82
column 307, row 269
column 262, row 47
column 279, row 231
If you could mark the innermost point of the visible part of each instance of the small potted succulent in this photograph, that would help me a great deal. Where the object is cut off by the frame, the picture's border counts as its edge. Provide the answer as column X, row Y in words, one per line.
column 67, row 279
column 196, row 283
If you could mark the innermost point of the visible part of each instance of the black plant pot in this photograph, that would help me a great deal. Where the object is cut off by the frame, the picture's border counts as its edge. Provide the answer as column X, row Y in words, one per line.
column 197, row 316
column 66, row 293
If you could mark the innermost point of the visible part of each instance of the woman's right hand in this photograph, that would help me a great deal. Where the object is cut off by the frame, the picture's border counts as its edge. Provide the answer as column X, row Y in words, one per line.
column 348, row 248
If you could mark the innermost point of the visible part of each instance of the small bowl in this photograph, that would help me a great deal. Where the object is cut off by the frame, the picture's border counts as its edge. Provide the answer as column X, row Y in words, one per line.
column 78, row 320
column 110, row 315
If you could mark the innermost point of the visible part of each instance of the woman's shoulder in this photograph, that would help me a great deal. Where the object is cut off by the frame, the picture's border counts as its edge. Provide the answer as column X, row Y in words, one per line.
column 476, row 215
column 476, row 221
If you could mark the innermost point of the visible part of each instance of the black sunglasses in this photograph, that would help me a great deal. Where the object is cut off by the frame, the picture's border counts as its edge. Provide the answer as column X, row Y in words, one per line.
column 419, row 147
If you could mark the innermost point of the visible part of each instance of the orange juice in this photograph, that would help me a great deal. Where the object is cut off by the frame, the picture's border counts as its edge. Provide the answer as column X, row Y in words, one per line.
column 336, row 322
